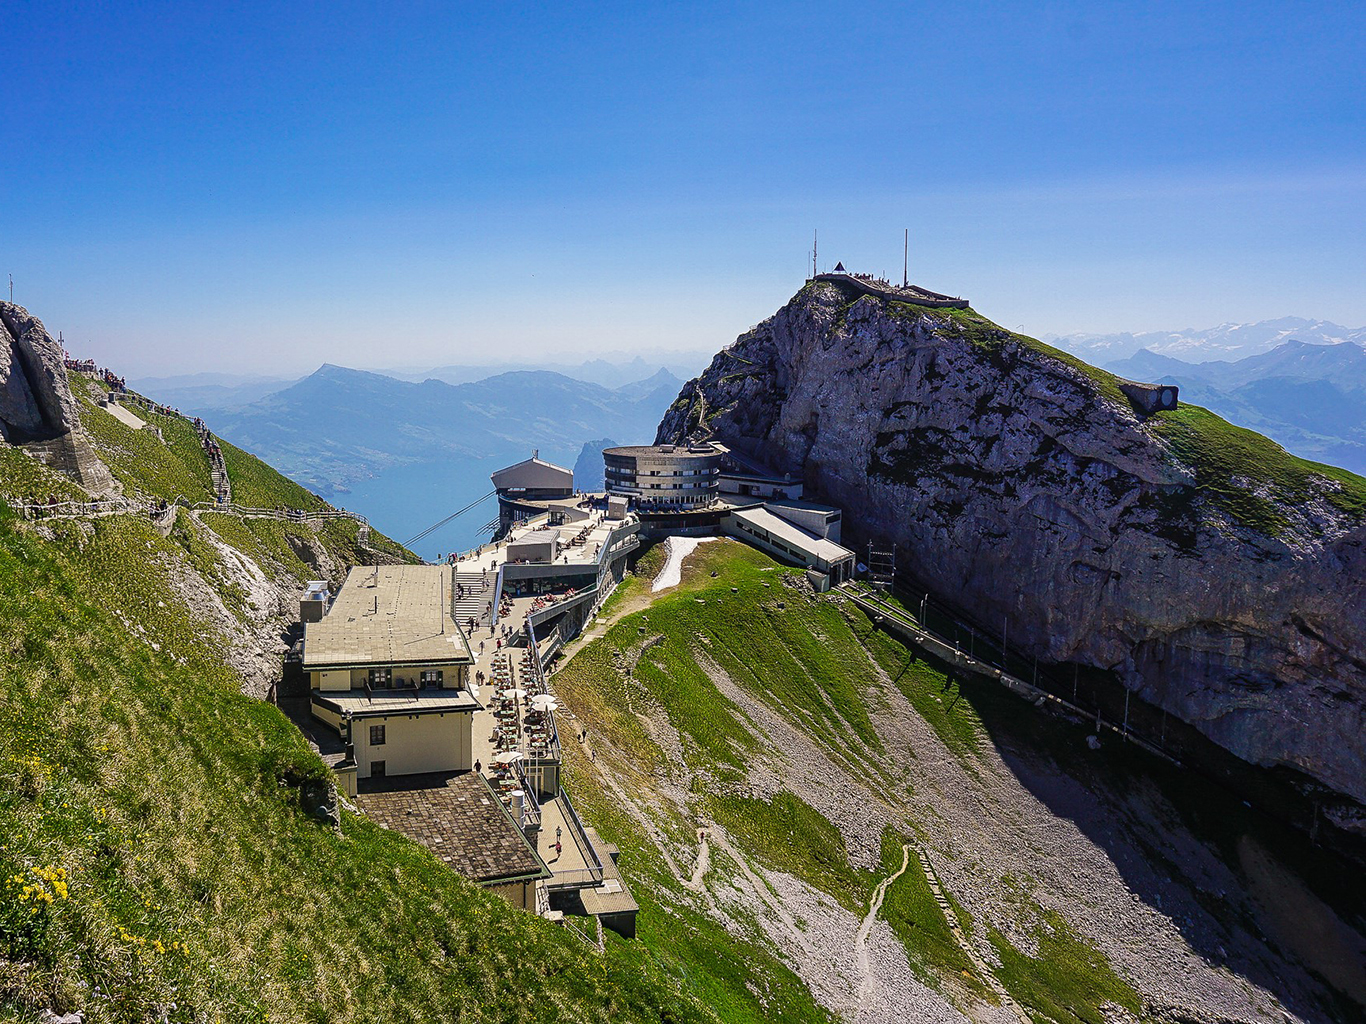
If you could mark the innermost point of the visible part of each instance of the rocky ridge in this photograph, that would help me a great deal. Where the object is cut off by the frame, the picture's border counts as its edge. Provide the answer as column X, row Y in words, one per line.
column 36, row 406
column 1221, row 579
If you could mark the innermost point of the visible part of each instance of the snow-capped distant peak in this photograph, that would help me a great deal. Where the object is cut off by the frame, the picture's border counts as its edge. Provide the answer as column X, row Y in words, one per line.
column 1227, row 341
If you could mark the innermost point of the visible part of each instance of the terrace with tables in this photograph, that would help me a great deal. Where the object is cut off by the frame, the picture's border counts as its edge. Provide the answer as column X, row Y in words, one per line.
column 517, row 744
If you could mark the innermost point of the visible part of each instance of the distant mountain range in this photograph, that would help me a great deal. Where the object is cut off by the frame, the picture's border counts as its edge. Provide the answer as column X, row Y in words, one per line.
column 1227, row 341
column 203, row 393
column 199, row 393
column 605, row 372
column 338, row 426
column 1311, row 398
column 408, row 452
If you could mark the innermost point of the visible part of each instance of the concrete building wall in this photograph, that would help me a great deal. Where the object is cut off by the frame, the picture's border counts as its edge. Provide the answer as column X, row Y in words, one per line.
column 521, row 895
column 415, row 743
column 821, row 522
column 757, row 487
column 331, row 681
column 837, row 572
column 674, row 475
column 332, row 718
column 540, row 550
column 454, row 676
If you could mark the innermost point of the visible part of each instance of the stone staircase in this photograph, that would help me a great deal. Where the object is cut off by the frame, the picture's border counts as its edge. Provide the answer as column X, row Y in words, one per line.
column 222, row 486
column 476, row 599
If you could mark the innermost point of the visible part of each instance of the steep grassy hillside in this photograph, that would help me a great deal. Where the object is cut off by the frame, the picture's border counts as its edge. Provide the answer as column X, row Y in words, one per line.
column 155, row 860
column 696, row 703
column 878, row 837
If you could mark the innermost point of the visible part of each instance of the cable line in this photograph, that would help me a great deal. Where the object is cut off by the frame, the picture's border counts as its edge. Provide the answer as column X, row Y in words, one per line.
column 454, row 515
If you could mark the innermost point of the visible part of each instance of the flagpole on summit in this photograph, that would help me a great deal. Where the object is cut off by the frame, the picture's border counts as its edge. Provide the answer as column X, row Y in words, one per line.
column 906, row 259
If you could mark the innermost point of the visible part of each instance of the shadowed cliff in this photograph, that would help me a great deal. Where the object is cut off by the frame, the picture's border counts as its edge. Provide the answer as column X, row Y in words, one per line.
column 1221, row 578
column 36, row 407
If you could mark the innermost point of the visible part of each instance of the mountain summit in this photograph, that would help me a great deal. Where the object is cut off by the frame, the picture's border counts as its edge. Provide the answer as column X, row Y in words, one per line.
column 1218, row 577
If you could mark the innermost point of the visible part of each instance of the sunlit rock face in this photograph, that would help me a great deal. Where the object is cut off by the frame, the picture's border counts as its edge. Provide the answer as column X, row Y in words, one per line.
column 1020, row 484
column 36, row 405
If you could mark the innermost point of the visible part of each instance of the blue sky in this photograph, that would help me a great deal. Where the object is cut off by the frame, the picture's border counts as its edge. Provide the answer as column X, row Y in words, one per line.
column 267, row 187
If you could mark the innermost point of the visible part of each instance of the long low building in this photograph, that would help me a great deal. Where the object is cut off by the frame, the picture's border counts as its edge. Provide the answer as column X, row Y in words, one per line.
column 788, row 541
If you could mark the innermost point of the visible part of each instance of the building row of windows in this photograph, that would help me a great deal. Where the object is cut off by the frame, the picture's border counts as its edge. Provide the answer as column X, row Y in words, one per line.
column 628, row 474
column 383, row 678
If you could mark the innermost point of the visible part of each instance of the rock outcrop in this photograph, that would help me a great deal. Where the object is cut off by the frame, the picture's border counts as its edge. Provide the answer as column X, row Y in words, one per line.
column 1219, row 577
column 37, row 409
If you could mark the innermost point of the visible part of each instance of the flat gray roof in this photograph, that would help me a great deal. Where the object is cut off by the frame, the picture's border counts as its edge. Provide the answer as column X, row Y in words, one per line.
column 611, row 896
column 801, row 503
column 793, row 536
column 388, row 615
column 663, row 451
column 389, row 703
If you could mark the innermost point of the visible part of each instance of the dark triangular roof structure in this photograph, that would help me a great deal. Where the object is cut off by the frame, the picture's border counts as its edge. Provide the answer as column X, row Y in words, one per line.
column 839, row 269
column 533, row 473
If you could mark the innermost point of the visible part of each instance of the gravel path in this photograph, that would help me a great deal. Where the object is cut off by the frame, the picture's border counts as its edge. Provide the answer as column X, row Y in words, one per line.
column 874, row 906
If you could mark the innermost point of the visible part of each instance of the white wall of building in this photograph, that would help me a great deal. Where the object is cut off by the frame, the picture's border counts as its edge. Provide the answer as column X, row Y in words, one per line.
column 439, row 742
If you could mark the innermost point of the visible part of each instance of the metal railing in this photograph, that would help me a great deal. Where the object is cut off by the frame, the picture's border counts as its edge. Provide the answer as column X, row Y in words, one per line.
column 294, row 515
column 950, row 651
column 577, row 878
column 531, row 810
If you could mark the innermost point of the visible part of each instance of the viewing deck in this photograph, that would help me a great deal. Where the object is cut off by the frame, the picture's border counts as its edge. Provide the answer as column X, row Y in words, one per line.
column 884, row 289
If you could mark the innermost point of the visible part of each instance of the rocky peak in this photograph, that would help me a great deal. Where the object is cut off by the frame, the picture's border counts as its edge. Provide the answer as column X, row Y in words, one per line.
column 1218, row 576
column 37, row 402
column 36, row 405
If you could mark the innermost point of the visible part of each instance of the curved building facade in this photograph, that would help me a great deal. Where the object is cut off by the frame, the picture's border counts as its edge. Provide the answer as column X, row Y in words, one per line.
column 677, row 476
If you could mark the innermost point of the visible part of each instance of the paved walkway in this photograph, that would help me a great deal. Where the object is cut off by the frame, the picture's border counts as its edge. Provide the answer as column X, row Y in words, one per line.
column 125, row 416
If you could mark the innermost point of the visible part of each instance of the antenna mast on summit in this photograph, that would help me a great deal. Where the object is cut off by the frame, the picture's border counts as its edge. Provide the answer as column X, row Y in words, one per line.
column 814, row 236
column 906, row 259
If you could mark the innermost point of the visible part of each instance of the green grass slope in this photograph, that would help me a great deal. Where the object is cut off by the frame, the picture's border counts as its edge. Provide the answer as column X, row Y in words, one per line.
column 165, row 803
column 155, row 862
column 812, row 660
column 168, row 467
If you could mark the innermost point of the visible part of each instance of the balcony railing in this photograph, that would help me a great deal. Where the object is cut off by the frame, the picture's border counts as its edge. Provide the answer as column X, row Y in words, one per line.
column 577, row 878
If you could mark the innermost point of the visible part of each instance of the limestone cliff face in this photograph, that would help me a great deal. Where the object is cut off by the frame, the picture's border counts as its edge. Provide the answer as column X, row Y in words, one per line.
column 36, row 406
column 1222, row 579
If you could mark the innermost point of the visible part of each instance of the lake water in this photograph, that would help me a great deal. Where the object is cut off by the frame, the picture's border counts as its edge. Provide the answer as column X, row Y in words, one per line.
column 404, row 501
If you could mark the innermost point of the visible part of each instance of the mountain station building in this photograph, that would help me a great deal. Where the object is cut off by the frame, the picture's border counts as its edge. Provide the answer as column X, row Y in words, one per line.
column 388, row 666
